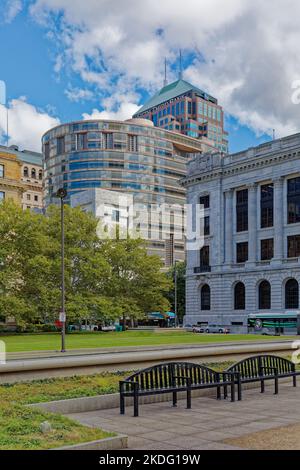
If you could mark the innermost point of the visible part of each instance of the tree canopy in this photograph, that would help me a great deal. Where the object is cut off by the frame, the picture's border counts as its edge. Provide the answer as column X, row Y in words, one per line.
column 105, row 279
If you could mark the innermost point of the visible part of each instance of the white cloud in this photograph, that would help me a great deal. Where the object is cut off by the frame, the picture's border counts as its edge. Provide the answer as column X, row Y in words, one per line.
column 78, row 94
column 12, row 9
column 26, row 124
column 250, row 49
column 120, row 112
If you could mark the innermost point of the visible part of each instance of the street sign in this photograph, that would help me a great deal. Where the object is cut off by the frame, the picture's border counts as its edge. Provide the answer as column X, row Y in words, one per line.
column 62, row 317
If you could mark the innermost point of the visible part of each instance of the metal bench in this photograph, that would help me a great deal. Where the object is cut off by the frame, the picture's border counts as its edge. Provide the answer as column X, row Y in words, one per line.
column 172, row 378
column 261, row 368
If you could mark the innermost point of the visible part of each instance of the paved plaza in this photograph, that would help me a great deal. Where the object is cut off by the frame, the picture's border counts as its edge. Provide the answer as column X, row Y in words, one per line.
column 210, row 424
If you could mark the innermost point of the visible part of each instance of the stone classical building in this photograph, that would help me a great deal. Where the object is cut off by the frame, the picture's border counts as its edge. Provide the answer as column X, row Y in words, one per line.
column 250, row 261
column 28, row 171
column 11, row 186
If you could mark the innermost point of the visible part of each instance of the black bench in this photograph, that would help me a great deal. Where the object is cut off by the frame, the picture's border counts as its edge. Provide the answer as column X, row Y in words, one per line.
column 172, row 378
column 261, row 368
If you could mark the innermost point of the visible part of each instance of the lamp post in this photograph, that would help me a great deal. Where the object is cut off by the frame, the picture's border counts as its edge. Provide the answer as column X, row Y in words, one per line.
column 175, row 293
column 62, row 194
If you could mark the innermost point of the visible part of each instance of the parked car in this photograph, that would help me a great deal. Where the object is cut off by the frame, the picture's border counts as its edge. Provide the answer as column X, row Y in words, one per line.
column 198, row 329
column 107, row 328
column 189, row 327
column 92, row 327
column 217, row 329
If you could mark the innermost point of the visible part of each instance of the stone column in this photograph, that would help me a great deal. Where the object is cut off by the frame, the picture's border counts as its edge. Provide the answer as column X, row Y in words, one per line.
column 278, row 217
column 252, row 223
column 228, row 226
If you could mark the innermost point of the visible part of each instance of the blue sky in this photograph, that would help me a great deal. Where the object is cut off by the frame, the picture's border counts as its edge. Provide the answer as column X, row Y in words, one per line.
column 63, row 60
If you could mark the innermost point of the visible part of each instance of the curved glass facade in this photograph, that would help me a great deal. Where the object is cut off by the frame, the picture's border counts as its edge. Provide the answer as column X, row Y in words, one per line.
column 130, row 156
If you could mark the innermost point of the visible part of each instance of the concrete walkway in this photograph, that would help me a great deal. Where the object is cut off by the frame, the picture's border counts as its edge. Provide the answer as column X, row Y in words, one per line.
column 206, row 426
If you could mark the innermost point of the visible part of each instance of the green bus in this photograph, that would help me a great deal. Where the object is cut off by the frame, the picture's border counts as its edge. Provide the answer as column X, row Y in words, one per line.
column 276, row 323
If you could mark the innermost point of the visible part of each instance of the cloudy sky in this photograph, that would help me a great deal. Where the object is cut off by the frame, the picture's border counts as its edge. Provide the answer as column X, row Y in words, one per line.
column 64, row 60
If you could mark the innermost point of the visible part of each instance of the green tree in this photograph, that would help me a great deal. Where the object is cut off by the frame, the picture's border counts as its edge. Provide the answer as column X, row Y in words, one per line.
column 137, row 282
column 105, row 279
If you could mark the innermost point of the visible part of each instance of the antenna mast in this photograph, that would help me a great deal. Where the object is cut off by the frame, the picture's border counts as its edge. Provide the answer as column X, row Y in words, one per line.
column 165, row 80
column 180, row 65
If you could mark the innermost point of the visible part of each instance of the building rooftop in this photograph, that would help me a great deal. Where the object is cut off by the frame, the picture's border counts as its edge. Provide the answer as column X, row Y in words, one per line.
column 26, row 156
column 171, row 91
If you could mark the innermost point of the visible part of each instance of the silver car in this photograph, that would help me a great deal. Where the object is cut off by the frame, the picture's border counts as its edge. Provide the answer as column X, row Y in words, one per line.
column 217, row 329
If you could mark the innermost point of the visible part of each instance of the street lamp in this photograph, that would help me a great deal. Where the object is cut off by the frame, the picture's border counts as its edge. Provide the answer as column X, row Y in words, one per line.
column 175, row 293
column 62, row 194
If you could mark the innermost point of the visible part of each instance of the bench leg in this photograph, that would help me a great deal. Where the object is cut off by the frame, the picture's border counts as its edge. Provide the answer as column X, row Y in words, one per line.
column 239, row 386
column 135, row 405
column 188, row 399
column 174, row 399
column 122, row 404
column 225, row 393
column 232, row 391
column 294, row 381
column 218, row 393
column 276, row 386
column 262, row 386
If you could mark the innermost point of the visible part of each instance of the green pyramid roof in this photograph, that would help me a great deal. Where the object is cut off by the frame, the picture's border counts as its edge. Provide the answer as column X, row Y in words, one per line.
column 171, row 91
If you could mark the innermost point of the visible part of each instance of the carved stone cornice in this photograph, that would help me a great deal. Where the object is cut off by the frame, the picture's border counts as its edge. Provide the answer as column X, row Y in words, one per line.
column 240, row 167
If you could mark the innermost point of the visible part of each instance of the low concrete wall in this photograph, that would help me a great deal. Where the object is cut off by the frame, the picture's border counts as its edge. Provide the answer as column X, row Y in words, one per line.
column 131, row 358
column 104, row 402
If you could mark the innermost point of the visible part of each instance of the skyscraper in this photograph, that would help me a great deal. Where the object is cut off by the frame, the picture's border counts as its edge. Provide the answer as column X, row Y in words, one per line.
column 184, row 108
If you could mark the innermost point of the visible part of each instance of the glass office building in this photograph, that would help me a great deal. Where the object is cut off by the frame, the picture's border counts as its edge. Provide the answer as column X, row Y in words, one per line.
column 183, row 107
column 126, row 156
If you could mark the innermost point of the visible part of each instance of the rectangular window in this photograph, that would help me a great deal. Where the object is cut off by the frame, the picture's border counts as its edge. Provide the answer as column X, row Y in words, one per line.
column 2, row 195
column 36, row 198
column 60, row 145
column 82, row 141
column 293, row 246
column 242, row 210
column 206, row 227
column 242, row 252
column 266, row 205
column 204, row 200
column 293, row 200
column 47, row 150
column 116, row 215
column 1, row 171
column 267, row 249
column 204, row 257
column 189, row 107
column 28, row 197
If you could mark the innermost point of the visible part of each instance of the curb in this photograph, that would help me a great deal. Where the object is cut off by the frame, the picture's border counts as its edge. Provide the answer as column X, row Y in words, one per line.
column 109, row 443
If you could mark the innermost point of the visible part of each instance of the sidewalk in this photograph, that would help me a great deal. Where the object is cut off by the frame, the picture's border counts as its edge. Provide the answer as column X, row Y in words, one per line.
column 208, row 425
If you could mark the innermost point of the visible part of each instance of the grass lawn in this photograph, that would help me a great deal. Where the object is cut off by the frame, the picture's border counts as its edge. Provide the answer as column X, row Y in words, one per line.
column 51, row 341
column 20, row 425
column 20, row 429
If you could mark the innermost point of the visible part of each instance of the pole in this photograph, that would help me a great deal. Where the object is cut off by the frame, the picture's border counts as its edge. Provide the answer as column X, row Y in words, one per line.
column 7, row 139
column 63, row 312
column 175, row 293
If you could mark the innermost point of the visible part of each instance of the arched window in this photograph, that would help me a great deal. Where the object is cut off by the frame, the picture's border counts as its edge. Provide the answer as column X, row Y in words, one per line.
column 239, row 296
column 205, row 297
column 292, row 294
column 40, row 175
column 33, row 173
column 264, row 295
column 25, row 171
